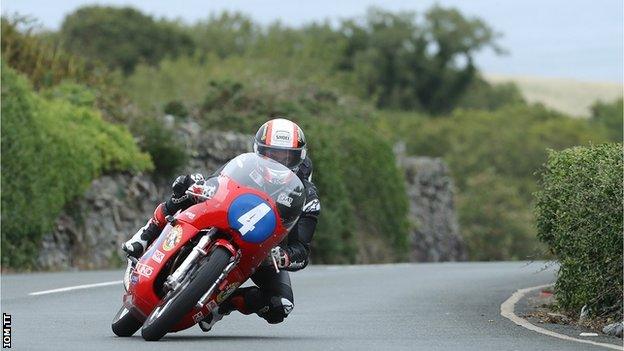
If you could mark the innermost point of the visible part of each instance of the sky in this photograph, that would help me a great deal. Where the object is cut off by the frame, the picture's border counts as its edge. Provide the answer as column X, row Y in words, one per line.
column 578, row 39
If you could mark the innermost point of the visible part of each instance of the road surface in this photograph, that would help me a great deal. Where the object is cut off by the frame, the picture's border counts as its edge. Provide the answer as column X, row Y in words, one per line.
column 444, row 306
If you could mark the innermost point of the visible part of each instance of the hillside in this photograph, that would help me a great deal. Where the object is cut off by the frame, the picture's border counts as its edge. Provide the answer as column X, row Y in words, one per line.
column 566, row 95
column 356, row 89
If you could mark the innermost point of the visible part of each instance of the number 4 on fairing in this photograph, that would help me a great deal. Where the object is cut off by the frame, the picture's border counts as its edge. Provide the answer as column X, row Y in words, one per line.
column 251, row 218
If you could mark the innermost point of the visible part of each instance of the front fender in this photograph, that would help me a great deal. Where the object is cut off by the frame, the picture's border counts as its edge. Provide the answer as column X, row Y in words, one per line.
column 226, row 245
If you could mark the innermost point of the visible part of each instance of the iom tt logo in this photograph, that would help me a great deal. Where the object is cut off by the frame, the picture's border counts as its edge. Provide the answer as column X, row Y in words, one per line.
column 6, row 330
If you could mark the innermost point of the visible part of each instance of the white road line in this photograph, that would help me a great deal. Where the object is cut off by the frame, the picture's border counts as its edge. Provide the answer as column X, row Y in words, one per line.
column 507, row 311
column 77, row 287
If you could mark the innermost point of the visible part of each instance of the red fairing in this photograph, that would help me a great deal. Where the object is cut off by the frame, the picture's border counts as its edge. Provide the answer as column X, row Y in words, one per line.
column 141, row 297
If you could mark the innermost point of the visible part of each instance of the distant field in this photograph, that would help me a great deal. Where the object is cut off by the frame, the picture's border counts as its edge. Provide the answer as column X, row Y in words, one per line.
column 566, row 95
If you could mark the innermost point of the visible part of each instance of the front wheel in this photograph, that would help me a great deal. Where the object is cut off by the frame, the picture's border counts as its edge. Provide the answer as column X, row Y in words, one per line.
column 179, row 302
column 124, row 323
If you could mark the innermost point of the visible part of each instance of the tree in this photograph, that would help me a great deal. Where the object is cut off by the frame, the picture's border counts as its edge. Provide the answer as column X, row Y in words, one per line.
column 122, row 37
column 407, row 64
column 225, row 35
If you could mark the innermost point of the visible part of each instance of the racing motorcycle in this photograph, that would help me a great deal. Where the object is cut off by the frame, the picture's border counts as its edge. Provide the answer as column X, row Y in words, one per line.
column 207, row 251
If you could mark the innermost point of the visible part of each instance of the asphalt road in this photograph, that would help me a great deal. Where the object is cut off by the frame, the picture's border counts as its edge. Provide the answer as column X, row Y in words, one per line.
column 448, row 306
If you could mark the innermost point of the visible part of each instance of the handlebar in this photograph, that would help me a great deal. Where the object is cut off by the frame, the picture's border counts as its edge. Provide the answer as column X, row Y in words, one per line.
column 207, row 190
column 201, row 196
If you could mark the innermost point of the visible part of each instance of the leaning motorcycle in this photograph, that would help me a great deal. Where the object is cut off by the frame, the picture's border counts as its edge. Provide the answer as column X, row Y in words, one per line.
column 207, row 251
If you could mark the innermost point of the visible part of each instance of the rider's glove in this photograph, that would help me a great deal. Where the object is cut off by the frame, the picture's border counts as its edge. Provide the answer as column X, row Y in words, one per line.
column 280, row 257
column 179, row 187
column 183, row 183
column 197, row 185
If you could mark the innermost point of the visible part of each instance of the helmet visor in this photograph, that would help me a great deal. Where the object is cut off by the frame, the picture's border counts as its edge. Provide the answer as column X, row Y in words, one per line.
column 290, row 158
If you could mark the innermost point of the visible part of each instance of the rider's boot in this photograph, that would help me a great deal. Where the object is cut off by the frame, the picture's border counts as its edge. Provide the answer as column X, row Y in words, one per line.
column 141, row 240
column 146, row 235
column 235, row 302
column 210, row 320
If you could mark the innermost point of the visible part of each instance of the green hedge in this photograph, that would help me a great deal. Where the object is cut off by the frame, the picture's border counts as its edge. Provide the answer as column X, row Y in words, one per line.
column 51, row 150
column 579, row 216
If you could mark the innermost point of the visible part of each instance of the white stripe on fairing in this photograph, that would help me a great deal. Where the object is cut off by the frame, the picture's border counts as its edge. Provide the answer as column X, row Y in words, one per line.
column 77, row 287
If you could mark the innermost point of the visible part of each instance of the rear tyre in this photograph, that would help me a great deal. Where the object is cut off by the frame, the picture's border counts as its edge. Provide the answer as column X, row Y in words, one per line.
column 179, row 302
column 124, row 323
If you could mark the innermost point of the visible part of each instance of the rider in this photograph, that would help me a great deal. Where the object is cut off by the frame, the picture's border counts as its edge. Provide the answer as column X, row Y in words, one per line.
column 272, row 297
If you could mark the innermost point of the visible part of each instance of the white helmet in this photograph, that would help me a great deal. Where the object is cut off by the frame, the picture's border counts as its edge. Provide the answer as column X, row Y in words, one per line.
column 281, row 140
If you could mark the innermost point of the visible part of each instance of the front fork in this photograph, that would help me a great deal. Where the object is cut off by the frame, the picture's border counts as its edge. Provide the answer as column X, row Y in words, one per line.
column 206, row 297
column 198, row 252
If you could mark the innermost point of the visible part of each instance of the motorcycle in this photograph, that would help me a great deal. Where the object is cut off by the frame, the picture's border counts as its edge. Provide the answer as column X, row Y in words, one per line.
column 207, row 251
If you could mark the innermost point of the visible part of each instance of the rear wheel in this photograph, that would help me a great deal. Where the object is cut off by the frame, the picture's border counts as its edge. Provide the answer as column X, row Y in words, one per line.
column 124, row 323
column 179, row 302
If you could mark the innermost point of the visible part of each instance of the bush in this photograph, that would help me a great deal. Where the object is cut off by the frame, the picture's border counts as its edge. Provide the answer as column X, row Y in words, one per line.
column 364, row 215
column 335, row 239
column 167, row 152
column 75, row 94
column 184, row 80
column 47, row 65
column 512, row 141
column 609, row 116
column 176, row 109
column 51, row 151
column 496, row 223
column 44, row 63
column 482, row 95
column 376, row 188
column 579, row 216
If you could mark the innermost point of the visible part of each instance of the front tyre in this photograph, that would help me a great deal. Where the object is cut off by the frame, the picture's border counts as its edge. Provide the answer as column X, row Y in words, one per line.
column 124, row 323
column 179, row 302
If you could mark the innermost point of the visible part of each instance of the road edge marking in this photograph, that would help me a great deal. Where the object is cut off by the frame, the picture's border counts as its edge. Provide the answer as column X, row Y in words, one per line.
column 507, row 310
column 76, row 287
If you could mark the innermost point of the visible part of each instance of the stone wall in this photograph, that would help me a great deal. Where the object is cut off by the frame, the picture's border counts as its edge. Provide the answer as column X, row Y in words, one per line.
column 435, row 234
column 89, row 233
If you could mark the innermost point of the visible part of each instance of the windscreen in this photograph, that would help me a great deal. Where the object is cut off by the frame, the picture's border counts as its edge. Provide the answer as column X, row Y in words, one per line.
column 272, row 178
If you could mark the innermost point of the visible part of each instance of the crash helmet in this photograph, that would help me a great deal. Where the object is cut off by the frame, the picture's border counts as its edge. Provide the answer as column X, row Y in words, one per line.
column 281, row 140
